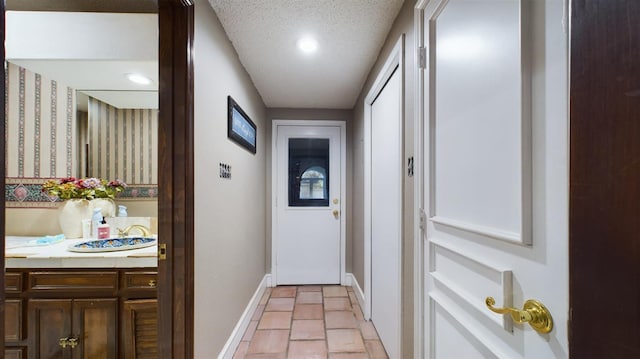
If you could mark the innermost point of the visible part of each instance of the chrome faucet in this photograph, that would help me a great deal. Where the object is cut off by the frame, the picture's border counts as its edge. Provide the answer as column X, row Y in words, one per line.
column 146, row 232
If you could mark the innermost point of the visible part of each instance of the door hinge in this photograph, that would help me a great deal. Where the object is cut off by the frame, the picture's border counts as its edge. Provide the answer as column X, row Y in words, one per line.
column 162, row 251
column 422, row 57
column 423, row 220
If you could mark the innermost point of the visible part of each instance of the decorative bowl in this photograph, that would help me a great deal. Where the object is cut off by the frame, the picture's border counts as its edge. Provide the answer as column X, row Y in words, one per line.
column 112, row 244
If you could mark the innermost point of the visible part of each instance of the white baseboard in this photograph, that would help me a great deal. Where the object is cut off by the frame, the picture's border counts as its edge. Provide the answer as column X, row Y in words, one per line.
column 243, row 323
column 353, row 282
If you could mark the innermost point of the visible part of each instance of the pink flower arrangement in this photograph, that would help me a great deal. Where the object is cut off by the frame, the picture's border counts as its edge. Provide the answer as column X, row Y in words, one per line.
column 83, row 188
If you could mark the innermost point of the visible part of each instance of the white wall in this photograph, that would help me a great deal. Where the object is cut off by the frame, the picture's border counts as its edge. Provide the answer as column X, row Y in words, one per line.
column 229, row 213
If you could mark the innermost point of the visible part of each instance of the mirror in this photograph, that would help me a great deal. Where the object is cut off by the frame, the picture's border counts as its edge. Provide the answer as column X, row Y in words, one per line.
column 89, row 81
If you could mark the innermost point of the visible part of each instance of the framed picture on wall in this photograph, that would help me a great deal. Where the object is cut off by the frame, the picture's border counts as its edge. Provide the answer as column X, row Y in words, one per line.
column 240, row 128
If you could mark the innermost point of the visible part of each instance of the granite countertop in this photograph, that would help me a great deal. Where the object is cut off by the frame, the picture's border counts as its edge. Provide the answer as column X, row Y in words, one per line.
column 20, row 255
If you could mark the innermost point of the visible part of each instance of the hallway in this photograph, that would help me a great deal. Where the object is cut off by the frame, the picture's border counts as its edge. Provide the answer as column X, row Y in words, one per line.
column 310, row 322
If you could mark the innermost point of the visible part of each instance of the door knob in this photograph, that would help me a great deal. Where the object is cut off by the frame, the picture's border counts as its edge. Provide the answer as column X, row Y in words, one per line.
column 533, row 312
column 63, row 342
column 336, row 213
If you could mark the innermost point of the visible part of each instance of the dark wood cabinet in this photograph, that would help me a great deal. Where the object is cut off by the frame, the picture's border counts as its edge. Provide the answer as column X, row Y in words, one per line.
column 15, row 353
column 140, row 329
column 49, row 321
column 73, row 328
column 95, row 325
column 81, row 314
column 13, row 320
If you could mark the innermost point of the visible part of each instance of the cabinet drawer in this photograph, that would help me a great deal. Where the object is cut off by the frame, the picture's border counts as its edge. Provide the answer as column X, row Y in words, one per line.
column 73, row 282
column 140, row 280
column 12, row 282
column 139, row 284
column 13, row 320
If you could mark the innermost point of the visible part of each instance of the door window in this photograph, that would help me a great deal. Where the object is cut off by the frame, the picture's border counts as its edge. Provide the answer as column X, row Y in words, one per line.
column 308, row 172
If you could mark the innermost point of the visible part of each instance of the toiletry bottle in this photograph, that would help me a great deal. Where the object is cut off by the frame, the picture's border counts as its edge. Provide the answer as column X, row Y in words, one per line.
column 103, row 230
column 95, row 221
column 122, row 211
column 86, row 228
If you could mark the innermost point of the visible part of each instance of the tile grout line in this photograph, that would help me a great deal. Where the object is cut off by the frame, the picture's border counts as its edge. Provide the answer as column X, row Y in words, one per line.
column 295, row 298
column 324, row 322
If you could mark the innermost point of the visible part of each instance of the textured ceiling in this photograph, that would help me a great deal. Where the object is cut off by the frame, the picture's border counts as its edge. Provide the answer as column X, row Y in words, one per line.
column 350, row 34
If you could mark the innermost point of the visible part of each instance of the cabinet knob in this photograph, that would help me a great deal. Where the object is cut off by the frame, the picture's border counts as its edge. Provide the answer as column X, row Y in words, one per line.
column 63, row 342
column 73, row 342
column 153, row 283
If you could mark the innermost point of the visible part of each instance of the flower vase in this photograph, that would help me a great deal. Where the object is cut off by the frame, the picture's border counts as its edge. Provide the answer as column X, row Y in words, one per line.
column 71, row 214
column 107, row 206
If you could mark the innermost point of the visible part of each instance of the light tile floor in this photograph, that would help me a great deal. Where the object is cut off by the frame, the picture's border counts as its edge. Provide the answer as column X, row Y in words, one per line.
column 310, row 322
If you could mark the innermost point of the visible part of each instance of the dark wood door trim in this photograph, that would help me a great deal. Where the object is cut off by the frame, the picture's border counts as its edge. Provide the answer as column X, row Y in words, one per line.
column 2, row 173
column 175, row 180
column 604, row 200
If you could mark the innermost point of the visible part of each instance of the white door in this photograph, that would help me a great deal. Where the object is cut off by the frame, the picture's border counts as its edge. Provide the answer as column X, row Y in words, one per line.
column 386, row 213
column 383, row 182
column 308, row 226
column 494, row 175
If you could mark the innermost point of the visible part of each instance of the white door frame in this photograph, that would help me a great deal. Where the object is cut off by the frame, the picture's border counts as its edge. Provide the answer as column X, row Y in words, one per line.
column 419, row 214
column 343, row 189
column 395, row 62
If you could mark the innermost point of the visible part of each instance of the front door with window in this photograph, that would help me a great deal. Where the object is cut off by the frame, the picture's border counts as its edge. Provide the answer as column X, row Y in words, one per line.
column 308, row 184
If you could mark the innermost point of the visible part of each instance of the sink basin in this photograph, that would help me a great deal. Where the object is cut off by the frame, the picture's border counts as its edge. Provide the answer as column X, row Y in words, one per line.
column 113, row 244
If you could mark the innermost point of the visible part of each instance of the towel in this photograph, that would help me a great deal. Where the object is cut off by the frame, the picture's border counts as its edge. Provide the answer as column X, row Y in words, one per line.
column 42, row 241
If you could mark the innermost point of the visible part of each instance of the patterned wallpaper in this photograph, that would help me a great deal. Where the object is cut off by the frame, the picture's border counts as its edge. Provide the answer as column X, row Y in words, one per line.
column 40, row 126
column 42, row 142
column 123, row 143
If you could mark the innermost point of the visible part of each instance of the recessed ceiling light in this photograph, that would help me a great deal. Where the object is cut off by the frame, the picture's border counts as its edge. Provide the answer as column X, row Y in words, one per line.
column 139, row 79
column 308, row 45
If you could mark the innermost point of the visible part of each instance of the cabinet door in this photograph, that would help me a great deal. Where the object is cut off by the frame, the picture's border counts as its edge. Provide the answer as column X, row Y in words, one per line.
column 140, row 329
column 49, row 321
column 13, row 320
column 15, row 353
column 95, row 323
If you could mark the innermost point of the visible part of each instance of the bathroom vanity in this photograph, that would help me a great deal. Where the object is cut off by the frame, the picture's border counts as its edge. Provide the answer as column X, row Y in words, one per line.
column 62, row 304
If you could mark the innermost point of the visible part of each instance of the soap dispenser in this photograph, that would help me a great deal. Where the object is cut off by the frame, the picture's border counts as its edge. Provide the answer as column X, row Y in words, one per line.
column 103, row 230
column 96, row 218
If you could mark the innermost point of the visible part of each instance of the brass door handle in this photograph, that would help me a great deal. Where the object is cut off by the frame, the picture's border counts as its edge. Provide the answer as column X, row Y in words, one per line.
column 533, row 312
column 336, row 213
